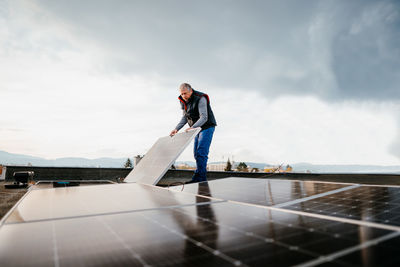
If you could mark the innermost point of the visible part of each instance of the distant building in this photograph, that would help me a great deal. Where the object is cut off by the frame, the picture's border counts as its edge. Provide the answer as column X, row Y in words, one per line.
column 272, row 169
column 184, row 166
column 216, row 166
column 278, row 169
column 289, row 168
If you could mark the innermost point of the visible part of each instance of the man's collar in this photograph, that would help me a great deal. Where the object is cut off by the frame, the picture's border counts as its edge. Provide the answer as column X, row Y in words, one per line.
column 191, row 97
column 181, row 98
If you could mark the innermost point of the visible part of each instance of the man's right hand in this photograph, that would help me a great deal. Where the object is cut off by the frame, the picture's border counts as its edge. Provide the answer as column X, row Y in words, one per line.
column 173, row 132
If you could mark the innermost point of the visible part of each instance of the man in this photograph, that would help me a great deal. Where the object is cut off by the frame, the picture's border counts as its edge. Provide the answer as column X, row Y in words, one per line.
column 197, row 113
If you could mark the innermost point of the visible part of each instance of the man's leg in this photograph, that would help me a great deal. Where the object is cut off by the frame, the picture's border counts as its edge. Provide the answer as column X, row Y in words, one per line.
column 195, row 177
column 203, row 147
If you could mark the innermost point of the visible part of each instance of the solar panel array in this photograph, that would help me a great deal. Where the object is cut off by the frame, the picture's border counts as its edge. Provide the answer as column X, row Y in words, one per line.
column 220, row 223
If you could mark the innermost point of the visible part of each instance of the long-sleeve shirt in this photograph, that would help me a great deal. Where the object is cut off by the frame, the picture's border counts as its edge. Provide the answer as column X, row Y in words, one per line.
column 203, row 115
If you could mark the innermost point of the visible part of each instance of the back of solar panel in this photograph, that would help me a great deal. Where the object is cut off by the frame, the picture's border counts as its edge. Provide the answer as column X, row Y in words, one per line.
column 160, row 157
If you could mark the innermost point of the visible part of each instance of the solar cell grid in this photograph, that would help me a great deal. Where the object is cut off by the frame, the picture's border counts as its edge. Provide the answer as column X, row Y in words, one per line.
column 367, row 203
column 376, row 252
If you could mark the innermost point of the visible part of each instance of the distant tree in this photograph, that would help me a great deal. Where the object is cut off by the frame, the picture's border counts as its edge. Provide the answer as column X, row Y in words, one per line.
column 228, row 167
column 289, row 168
column 242, row 167
column 128, row 163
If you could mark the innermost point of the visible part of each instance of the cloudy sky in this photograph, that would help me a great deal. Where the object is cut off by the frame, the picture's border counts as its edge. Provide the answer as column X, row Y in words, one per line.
column 289, row 81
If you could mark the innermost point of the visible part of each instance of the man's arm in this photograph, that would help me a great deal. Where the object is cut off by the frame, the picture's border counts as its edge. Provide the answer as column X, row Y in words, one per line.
column 179, row 126
column 203, row 113
column 181, row 123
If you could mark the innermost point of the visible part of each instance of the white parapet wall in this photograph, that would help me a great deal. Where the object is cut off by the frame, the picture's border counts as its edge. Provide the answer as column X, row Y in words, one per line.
column 2, row 173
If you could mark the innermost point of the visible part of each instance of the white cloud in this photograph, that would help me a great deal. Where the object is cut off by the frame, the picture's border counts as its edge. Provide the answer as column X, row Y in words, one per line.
column 63, row 105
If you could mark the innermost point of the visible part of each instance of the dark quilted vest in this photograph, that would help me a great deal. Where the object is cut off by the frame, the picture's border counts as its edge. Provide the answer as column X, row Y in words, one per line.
column 191, row 110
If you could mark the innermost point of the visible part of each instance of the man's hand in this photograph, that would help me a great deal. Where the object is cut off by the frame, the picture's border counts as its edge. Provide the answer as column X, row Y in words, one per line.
column 189, row 129
column 173, row 132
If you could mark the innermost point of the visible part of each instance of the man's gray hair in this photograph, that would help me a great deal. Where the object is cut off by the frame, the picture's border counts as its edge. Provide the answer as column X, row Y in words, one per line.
column 186, row 86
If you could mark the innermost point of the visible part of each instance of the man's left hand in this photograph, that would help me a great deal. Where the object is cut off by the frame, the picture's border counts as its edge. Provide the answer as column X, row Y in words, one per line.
column 189, row 129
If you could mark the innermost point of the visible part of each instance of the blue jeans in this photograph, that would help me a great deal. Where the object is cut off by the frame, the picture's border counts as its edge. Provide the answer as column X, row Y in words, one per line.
column 202, row 143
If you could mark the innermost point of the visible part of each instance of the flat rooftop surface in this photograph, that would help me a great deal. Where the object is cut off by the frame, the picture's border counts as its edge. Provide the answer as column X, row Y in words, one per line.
column 8, row 197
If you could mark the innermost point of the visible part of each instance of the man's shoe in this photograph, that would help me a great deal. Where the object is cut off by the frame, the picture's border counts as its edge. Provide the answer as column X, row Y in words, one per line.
column 204, row 179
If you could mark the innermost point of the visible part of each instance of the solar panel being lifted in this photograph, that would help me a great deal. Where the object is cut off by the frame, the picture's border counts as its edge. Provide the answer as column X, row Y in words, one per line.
column 160, row 157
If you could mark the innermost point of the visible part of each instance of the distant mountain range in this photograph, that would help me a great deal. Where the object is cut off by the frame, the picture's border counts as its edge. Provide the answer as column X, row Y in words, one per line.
column 315, row 168
column 19, row 159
